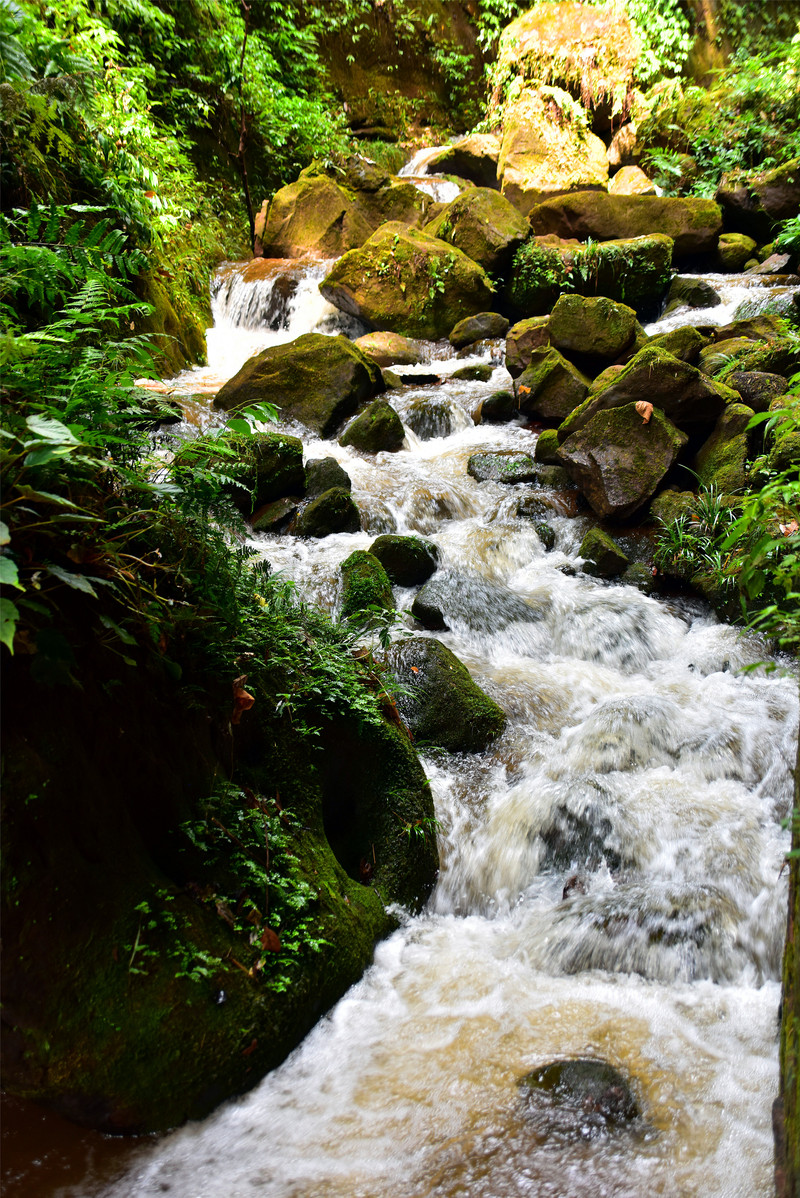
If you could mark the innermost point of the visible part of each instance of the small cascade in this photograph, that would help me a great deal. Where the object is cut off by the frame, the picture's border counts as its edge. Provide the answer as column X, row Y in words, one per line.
column 416, row 171
column 741, row 297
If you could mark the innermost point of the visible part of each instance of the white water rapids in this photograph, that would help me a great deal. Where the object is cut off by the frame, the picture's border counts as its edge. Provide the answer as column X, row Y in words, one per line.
column 637, row 756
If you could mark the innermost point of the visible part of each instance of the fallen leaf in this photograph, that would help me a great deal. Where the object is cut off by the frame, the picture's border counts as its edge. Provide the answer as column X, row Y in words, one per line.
column 415, row 669
column 242, row 699
column 789, row 529
column 270, row 941
column 645, row 410
column 250, row 1048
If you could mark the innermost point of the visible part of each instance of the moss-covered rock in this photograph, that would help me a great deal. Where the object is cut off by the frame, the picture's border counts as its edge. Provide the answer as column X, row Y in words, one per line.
column 408, row 561
column 499, row 408
column 690, row 292
column 757, row 388
column 439, row 700
column 484, row 225
column 755, row 201
column 617, row 461
column 324, row 473
column 313, row 216
column 316, row 380
column 693, row 224
column 546, row 534
column 502, row 466
column 547, row 148
column 270, row 466
column 332, row 511
column 634, row 271
column 365, row 585
column 602, row 556
column 639, row 575
column 480, row 372
column 715, row 357
column 178, row 336
column 685, row 343
column 387, row 349
column 670, row 505
column 547, row 447
column 483, row 327
column 473, row 158
column 275, row 516
column 734, row 251
column 407, row 282
column 377, row 428
column 550, row 387
column 432, row 417
column 524, row 337
column 591, row 327
column 722, row 460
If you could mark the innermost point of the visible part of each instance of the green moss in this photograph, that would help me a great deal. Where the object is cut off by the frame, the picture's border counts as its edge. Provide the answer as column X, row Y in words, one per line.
column 365, row 585
column 377, row 428
column 408, row 561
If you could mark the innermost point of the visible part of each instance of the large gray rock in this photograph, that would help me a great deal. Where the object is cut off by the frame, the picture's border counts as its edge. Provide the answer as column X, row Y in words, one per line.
column 618, row 461
column 693, row 224
column 503, row 466
column 550, row 387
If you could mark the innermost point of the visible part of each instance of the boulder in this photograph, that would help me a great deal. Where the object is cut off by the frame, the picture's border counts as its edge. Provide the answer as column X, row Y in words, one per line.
column 734, row 251
column 602, row 555
column 693, row 224
column 438, row 699
column 522, row 339
column 690, row 292
column 757, row 388
column 502, row 466
column 591, row 327
column 625, row 148
column 483, row 327
column 364, row 585
column 577, row 1099
column 617, row 461
column 407, row 282
column 635, row 272
column 408, row 561
column 685, row 343
column 499, row 408
column 377, row 428
column 722, row 460
column 639, row 575
column 480, row 372
column 313, row 216
column 754, row 202
column 332, row 511
column 473, row 158
column 715, row 357
column 318, row 381
column 324, row 473
column 631, row 181
column 274, row 517
column 430, row 418
column 547, row 447
column 550, row 387
column 483, row 225
column 547, row 536
column 387, row 349
column 654, row 376
column 483, row 606
column 670, row 505
column 269, row 467
column 773, row 264
column 547, row 149
column 377, row 195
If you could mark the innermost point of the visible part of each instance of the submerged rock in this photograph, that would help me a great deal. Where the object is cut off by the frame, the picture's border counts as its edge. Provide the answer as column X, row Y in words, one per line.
column 503, row 466
column 580, row 1098
column 484, row 606
column 602, row 555
column 430, row 418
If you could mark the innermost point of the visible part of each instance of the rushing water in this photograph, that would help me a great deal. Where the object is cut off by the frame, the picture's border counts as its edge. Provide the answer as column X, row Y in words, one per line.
column 611, row 880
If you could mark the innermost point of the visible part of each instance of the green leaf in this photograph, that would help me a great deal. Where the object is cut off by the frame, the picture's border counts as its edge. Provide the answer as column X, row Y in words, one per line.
column 5, row 535
column 9, row 575
column 44, row 496
column 9, row 616
column 51, row 430
column 123, row 635
column 40, row 457
column 78, row 582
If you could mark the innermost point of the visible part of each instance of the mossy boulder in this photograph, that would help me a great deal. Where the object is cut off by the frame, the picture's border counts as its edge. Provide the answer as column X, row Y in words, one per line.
column 438, row 699
column 715, row 357
column 547, row 148
column 693, row 224
column 499, row 408
column 690, row 292
column 313, row 216
column 365, row 585
column 682, row 392
column 521, row 339
column 618, row 462
column 757, row 388
column 484, row 225
column 316, row 380
column 755, row 201
column 408, row 561
column 550, row 387
column 547, row 447
column 670, row 505
column 407, row 282
column 473, row 158
column 591, row 327
column 377, row 428
column 480, row 372
column 635, row 272
column 602, row 556
column 503, row 466
column 432, row 417
column 388, row 349
column 178, row 335
column 274, row 517
column 722, row 460
column 734, row 251
column 324, row 473
column 484, row 327
column 269, row 467
column 685, row 343
column 547, row 536
column 332, row 511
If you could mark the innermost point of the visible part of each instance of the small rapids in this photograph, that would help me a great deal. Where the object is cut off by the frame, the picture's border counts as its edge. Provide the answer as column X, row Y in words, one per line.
column 611, row 882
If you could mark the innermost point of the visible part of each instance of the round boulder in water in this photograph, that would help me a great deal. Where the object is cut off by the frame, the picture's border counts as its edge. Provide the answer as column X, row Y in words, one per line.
column 438, row 699
column 547, row 447
column 365, row 585
column 324, row 473
column 690, row 292
column 546, row 535
column 505, row 466
column 333, row 511
column 579, row 1098
column 388, row 349
column 408, row 561
column 273, row 517
column 377, row 428
column 499, row 408
column 482, row 327
column 481, row 372
column 734, row 251
column 430, row 418
column 602, row 556
column 484, row 606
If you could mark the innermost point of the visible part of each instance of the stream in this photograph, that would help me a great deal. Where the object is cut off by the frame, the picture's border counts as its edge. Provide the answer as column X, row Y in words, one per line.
column 611, row 882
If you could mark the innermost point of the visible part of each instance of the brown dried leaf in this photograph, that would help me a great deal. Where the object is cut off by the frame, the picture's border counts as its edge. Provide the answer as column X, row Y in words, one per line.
column 645, row 410
column 270, row 941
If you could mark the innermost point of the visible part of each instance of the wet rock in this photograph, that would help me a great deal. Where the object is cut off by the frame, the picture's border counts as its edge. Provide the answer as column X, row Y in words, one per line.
column 318, row 381
column 716, row 356
column 581, row 840
column 757, row 388
column 592, row 327
column 734, row 251
column 473, row 158
column 631, row 181
column 387, row 349
column 550, row 387
column 618, row 462
column 693, row 224
column 522, row 339
column 273, row 517
column 638, row 575
column 438, row 699
column 671, row 505
column 499, row 408
column 430, row 418
column 579, row 1098
column 603, row 557
column 332, row 511
column 484, row 225
column 407, row 560
column 690, row 292
column 547, row 447
column 722, row 460
column 483, row 606
column 270, row 466
column 546, row 535
column 324, row 473
column 392, row 381
column 377, row 428
column 365, row 585
column 407, row 282
column 482, row 327
column 754, row 202
column 775, row 264
column 480, row 373
column 503, row 466
column 685, row 343
column 311, row 216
